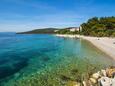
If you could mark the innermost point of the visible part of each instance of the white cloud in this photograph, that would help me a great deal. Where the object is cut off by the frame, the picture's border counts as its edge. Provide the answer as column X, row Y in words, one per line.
column 54, row 18
column 18, row 22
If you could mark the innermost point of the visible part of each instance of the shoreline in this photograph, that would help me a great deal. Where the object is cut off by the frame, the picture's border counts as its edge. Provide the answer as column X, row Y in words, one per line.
column 105, row 44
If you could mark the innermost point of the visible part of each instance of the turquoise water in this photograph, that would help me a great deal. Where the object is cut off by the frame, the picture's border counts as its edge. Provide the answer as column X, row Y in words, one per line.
column 22, row 55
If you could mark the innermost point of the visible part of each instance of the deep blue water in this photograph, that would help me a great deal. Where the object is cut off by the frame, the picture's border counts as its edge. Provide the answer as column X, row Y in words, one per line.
column 25, row 54
column 17, row 50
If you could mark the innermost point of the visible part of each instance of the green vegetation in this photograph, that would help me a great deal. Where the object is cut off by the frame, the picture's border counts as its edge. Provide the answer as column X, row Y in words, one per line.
column 40, row 31
column 104, row 26
column 100, row 27
column 67, row 31
column 50, row 31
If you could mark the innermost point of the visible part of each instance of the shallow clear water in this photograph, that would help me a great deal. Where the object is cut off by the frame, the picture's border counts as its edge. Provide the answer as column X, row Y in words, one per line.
column 22, row 55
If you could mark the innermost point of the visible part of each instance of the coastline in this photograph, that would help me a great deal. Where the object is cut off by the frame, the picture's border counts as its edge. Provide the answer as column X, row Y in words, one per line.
column 105, row 44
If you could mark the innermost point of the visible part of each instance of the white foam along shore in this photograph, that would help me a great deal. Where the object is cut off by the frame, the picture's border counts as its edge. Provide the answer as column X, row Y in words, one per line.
column 105, row 44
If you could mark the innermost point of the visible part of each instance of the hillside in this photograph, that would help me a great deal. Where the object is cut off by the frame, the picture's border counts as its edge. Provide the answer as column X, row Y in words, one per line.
column 40, row 31
column 99, row 26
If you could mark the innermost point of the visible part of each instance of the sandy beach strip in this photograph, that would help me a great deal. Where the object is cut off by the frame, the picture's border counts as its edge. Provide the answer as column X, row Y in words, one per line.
column 105, row 44
column 68, row 36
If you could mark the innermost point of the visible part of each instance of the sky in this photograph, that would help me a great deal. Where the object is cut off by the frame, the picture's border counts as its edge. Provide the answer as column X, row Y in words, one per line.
column 25, row 15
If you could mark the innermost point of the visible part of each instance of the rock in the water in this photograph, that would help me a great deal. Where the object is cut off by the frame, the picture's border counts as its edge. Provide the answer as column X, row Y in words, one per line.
column 105, row 81
column 94, row 81
column 96, row 75
column 73, row 83
column 103, row 73
column 87, row 83
column 110, row 72
column 84, row 83
column 78, row 84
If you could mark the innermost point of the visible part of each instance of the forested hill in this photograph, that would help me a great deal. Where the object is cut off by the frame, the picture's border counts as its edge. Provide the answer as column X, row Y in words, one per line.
column 103, row 26
column 40, row 31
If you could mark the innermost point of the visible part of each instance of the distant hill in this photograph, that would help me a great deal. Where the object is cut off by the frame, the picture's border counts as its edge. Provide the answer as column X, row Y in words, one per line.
column 40, row 31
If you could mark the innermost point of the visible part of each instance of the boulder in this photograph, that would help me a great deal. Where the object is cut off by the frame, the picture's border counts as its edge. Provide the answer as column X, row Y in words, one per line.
column 113, row 82
column 110, row 72
column 103, row 72
column 73, row 83
column 105, row 81
column 84, row 83
column 87, row 83
column 96, row 75
column 94, row 81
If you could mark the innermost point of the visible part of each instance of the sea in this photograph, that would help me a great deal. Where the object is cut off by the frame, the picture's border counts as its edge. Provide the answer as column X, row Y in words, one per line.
column 25, row 56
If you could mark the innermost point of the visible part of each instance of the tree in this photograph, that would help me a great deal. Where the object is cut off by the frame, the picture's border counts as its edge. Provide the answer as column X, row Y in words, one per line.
column 104, row 26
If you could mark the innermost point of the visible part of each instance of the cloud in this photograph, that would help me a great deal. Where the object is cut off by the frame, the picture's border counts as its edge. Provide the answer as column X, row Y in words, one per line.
column 51, row 16
column 17, row 27
column 65, row 19
column 42, row 14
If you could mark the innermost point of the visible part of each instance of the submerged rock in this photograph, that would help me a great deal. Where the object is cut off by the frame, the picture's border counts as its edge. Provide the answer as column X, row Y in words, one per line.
column 17, row 75
column 73, row 83
column 110, row 72
column 96, row 75
column 103, row 72
column 94, row 81
column 87, row 83
column 84, row 83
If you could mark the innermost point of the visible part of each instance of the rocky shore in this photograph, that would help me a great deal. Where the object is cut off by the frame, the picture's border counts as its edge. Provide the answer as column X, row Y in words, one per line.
column 104, row 77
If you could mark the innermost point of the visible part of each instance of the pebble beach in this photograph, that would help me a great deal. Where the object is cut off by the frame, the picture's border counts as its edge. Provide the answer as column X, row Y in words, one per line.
column 105, row 44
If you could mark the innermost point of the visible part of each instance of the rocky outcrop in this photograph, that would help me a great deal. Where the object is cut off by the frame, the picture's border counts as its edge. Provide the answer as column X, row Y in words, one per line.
column 104, row 77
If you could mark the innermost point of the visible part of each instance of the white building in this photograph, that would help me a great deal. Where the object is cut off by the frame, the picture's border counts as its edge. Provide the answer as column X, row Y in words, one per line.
column 56, row 30
column 74, row 29
column 80, row 28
